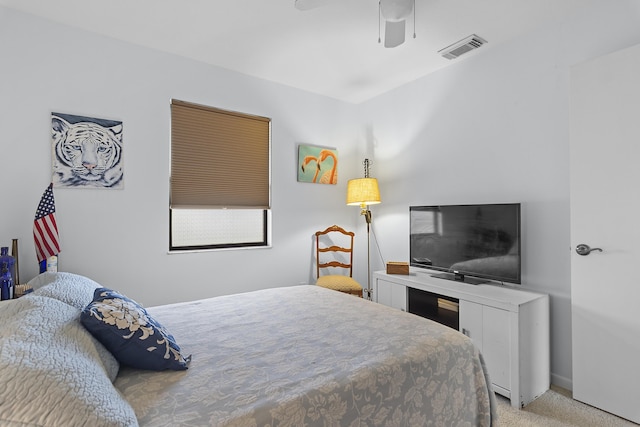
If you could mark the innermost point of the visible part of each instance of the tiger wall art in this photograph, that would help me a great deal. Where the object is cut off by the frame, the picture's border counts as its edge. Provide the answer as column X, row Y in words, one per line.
column 87, row 152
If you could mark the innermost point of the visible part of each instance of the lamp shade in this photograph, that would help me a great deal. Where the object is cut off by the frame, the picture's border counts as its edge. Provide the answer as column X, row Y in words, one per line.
column 362, row 192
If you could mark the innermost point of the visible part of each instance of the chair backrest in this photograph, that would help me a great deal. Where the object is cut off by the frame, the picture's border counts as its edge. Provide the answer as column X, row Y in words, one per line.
column 333, row 250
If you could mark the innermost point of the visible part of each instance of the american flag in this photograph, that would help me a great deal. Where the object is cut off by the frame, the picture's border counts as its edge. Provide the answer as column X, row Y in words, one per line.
column 45, row 229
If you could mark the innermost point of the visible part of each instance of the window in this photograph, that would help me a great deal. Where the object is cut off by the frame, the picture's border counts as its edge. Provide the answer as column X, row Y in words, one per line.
column 220, row 178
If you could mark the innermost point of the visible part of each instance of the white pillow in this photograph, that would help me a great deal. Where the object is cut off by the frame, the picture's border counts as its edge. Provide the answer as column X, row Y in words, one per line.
column 77, row 291
column 50, row 370
column 41, row 280
column 70, row 288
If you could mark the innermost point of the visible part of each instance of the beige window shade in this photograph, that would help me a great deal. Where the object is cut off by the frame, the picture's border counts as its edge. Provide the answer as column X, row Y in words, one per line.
column 219, row 159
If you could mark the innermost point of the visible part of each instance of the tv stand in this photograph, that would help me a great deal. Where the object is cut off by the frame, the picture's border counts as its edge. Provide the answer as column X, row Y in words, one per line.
column 458, row 277
column 509, row 325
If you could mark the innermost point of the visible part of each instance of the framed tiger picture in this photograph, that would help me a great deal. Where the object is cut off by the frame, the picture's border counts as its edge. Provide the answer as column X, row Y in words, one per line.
column 86, row 152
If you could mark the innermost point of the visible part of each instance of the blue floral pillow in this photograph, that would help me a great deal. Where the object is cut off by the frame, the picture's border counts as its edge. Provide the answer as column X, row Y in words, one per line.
column 133, row 337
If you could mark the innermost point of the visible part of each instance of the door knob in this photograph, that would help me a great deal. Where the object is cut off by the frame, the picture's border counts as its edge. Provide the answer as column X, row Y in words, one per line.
column 583, row 249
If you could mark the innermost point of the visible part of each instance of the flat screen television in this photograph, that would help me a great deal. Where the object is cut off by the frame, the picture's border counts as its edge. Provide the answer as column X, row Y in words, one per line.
column 470, row 243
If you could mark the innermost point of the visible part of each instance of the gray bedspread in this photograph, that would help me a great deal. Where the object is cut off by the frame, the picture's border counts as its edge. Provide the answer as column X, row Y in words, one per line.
column 305, row 355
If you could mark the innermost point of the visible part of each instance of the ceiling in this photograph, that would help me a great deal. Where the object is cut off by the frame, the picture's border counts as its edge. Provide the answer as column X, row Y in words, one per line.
column 332, row 50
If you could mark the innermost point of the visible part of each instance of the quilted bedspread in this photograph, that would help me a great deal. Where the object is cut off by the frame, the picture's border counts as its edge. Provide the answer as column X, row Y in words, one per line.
column 305, row 355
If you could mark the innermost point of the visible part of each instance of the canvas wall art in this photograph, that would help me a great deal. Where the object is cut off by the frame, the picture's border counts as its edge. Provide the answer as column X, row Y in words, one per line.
column 318, row 165
column 86, row 152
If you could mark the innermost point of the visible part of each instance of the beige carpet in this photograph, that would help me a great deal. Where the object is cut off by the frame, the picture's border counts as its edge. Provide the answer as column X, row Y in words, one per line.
column 556, row 408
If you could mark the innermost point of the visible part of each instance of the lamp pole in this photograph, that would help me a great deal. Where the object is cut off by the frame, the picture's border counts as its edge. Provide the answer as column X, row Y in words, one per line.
column 364, row 192
column 367, row 217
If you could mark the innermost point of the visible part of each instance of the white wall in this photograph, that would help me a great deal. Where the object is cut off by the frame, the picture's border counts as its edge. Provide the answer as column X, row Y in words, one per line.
column 120, row 237
column 494, row 128
column 490, row 128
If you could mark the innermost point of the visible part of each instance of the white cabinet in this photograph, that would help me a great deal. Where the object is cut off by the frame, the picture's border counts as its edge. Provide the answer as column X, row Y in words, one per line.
column 510, row 327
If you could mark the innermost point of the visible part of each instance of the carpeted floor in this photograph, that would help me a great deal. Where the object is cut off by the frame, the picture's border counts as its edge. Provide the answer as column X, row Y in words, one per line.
column 556, row 408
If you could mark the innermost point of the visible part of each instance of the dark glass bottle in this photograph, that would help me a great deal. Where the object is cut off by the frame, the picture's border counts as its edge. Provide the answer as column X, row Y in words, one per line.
column 6, row 283
column 10, row 262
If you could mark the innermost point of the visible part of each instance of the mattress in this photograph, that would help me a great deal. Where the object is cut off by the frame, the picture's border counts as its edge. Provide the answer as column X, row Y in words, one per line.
column 306, row 355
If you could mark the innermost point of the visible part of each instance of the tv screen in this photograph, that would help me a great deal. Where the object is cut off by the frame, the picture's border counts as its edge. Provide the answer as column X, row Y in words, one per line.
column 481, row 241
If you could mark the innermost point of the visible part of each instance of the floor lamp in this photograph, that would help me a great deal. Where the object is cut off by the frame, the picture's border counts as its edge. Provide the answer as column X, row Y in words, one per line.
column 364, row 192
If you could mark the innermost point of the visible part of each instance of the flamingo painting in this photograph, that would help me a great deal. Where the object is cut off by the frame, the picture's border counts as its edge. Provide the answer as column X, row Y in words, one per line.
column 317, row 165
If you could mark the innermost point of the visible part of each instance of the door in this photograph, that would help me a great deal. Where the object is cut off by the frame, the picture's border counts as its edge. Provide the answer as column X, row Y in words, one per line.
column 605, row 214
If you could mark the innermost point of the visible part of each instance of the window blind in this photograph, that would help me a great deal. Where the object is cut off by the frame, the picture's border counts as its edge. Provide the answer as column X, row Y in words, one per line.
column 219, row 158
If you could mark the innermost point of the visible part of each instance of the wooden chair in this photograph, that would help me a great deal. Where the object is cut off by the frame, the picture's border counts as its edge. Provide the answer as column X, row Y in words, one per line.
column 331, row 255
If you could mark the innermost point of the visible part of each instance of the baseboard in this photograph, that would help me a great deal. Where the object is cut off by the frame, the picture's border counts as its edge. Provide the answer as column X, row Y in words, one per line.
column 563, row 382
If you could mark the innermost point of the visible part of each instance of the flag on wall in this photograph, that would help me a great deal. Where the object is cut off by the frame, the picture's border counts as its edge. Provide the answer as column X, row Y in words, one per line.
column 45, row 229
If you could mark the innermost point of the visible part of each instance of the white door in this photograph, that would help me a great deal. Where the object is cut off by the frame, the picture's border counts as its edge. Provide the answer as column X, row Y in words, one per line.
column 605, row 213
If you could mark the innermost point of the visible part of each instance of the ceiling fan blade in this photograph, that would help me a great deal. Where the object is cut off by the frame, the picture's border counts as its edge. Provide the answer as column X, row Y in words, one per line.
column 311, row 4
column 394, row 33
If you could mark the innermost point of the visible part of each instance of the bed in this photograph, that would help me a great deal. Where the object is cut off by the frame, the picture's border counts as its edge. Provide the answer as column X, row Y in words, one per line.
column 290, row 356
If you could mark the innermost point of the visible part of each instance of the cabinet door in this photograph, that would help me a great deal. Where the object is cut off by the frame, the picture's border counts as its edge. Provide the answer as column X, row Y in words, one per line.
column 495, row 345
column 391, row 294
column 471, row 321
column 488, row 328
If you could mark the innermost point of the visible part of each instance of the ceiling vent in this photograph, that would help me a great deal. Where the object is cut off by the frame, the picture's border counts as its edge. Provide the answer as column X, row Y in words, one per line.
column 461, row 47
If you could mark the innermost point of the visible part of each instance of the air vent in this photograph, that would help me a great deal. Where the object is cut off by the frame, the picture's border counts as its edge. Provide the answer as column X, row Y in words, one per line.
column 461, row 47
